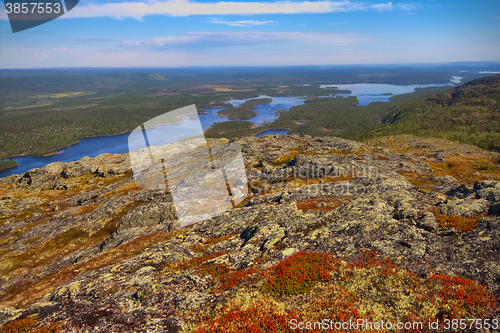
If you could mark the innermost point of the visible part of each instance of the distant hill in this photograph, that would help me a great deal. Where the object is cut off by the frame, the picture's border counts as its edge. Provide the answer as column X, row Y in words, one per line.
column 54, row 84
column 468, row 114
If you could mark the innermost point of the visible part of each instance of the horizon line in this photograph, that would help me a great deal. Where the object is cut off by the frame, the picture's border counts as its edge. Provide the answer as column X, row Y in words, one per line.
column 261, row 66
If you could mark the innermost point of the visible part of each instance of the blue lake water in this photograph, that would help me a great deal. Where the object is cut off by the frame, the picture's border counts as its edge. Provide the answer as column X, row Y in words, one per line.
column 272, row 132
column 118, row 144
column 368, row 92
column 265, row 112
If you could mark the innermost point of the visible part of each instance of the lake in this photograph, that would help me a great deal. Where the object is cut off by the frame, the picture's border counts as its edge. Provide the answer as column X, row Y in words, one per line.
column 118, row 144
column 371, row 92
column 272, row 132
column 265, row 112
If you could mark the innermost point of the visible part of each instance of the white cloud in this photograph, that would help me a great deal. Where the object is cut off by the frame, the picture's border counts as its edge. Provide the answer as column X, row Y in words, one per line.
column 382, row 6
column 241, row 23
column 87, row 41
column 134, row 9
column 231, row 38
column 138, row 10
column 389, row 6
column 407, row 6
column 187, row 8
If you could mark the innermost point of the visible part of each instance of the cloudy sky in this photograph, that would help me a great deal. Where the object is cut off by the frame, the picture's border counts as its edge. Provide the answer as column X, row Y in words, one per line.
column 174, row 33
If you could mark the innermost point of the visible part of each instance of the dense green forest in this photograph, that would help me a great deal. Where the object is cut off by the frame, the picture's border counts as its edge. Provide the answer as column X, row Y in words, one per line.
column 231, row 129
column 7, row 164
column 41, row 114
column 467, row 114
column 327, row 116
column 237, row 113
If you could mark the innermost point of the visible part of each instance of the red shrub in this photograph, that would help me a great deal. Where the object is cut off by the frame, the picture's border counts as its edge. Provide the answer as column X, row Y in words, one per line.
column 298, row 273
column 230, row 279
column 255, row 319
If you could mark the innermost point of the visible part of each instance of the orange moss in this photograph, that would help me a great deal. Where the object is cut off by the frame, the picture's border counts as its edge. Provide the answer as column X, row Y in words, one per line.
column 122, row 190
column 30, row 324
column 87, row 208
column 342, row 152
column 461, row 223
column 213, row 269
column 288, row 157
column 198, row 260
column 25, row 294
column 331, row 203
column 230, row 279
column 466, row 169
column 421, row 181
column 209, row 242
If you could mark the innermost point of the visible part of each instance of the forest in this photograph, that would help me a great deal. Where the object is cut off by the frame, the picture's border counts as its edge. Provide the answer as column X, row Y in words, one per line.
column 328, row 116
column 40, row 114
column 7, row 164
column 466, row 114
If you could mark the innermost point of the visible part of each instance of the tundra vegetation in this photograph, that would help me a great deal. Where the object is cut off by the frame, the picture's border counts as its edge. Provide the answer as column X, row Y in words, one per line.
column 418, row 243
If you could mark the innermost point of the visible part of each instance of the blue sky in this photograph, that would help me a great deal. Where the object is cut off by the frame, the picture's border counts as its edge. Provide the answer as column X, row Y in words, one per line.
column 177, row 33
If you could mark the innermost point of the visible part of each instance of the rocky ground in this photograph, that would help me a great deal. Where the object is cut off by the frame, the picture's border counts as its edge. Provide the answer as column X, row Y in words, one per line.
column 396, row 229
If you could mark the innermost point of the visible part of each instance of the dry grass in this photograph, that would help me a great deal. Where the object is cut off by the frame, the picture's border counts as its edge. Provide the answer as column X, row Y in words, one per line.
column 466, row 169
column 30, row 291
column 324, row 203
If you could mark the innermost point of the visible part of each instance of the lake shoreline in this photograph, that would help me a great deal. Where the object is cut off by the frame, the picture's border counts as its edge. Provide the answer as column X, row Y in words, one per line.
column 56, row 152
column 207, row 118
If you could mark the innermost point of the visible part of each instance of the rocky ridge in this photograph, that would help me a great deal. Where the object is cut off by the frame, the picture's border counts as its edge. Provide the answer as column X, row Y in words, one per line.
column 83, row 246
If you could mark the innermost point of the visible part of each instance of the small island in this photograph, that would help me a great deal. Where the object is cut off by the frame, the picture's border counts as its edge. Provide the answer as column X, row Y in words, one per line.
column 4, row 165
column 245, row 110
column 230, row 129
column 204, row 111
column 388, row 94
column 237, row 113
column 263, row 100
